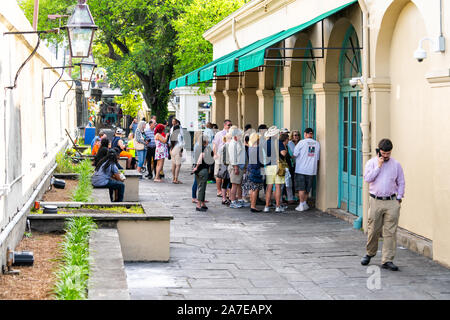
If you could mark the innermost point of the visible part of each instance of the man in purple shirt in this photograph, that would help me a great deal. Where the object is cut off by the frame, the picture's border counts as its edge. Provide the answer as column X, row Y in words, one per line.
column 386, row 188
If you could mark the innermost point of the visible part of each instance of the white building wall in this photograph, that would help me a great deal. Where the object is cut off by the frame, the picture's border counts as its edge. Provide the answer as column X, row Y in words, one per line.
column 188, row 106
column 31, row 125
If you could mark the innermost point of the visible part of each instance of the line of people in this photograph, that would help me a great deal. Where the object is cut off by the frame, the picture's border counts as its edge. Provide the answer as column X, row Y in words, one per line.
column 246, row 162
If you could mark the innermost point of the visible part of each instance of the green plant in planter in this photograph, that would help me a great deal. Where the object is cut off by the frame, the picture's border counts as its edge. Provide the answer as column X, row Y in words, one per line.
column 84, row 188
column 72, row 277
column 64, row 163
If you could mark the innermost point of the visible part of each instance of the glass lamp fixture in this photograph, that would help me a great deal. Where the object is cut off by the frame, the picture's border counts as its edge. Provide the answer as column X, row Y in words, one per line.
column 80, row 30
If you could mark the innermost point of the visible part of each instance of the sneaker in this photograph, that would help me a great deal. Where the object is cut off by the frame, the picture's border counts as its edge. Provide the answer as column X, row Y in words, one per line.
column 266, row 209
column 305, row 206
column 279, row 209
column 300, row 208
column 235, row 205
column 245, row 204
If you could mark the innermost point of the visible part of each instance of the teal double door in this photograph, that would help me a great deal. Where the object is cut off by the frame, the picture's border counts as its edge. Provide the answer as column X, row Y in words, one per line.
column 350, row 153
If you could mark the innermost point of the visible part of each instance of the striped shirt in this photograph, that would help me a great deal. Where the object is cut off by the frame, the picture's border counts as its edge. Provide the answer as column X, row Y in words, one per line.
column 150, row 134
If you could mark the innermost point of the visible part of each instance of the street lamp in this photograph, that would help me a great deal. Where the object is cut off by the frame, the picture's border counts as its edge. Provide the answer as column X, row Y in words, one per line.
column 85, row 85
column 80, row 29
column 87, row 66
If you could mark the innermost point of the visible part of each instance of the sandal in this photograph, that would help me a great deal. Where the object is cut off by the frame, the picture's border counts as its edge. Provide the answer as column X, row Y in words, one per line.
column 194, row 201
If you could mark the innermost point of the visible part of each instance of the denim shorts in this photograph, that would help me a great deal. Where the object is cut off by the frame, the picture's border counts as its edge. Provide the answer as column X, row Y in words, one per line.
column 140, row 154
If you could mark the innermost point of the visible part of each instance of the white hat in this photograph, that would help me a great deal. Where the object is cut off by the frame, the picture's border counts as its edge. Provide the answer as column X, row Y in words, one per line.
column 284, row 130
column 272, row 131
column 119, row 131
column 236, row 132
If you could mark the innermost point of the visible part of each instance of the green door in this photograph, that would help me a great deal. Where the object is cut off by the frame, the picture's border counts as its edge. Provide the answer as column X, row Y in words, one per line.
column 350, row 136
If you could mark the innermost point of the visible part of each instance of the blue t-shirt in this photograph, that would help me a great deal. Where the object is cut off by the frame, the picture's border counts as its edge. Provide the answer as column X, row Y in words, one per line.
column 101, row 178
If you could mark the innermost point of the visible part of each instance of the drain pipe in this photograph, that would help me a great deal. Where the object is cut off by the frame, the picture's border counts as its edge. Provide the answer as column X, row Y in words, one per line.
column 365, row 116
column 9, row 228
column 233, row 31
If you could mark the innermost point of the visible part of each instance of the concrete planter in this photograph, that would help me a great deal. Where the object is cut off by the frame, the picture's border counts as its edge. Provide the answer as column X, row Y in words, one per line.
column 143, row 237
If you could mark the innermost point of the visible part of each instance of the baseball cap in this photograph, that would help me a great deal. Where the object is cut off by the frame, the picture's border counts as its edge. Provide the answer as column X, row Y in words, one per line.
column 284, row 130
column 308, row 130
column 119, row 131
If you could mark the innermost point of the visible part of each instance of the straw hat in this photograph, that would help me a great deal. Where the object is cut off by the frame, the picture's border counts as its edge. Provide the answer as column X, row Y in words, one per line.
column 253, row 139
column 272, row 131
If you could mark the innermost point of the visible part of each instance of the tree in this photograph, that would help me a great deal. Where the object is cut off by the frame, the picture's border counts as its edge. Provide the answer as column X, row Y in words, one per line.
column 130, row 104
column 198, row 16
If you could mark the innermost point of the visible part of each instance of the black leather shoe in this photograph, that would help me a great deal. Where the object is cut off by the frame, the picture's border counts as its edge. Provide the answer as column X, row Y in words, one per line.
column 255, row 210
column 366, row 259
column 389, row 265
column 200, row 209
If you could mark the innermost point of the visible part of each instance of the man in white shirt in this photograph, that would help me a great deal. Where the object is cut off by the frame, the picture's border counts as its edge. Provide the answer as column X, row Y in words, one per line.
column 306, row 154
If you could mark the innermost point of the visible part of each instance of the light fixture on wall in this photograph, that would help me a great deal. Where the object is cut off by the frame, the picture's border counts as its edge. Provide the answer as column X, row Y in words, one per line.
column 355, row 81
column 439, row 46
column 80, row 30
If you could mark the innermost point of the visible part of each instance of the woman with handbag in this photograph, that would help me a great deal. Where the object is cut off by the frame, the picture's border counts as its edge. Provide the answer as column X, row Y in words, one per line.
column 276, row 169
column 255, row 178
column 205, row 159
column 140, row 145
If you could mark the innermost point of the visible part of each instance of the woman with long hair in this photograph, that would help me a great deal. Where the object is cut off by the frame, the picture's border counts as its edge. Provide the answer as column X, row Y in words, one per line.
column 161, row 151
column 140, row 145
column 102, row 151
column 107, row 175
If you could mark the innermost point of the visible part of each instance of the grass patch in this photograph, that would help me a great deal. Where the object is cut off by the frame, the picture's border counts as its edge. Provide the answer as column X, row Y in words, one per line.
column 72, row 277
column 84, row 188
column 97, row 209
column 64, row 163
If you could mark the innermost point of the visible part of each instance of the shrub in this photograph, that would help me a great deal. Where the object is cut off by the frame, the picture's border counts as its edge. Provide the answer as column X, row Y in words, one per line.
column 84, row 188
column 72, row 277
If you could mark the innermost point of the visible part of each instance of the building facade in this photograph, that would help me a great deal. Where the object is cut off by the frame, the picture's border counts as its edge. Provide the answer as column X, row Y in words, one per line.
column 36, row 110
column 304, row 81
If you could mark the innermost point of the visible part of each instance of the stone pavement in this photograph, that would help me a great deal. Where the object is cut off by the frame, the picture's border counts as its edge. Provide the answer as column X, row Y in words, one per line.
column 235, row 254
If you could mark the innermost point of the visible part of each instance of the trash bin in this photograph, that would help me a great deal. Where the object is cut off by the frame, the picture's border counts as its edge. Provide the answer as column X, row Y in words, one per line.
column 89, row 134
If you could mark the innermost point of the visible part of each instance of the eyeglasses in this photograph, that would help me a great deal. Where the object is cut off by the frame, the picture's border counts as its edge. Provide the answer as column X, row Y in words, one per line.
column 296, row 135
column 229, row 125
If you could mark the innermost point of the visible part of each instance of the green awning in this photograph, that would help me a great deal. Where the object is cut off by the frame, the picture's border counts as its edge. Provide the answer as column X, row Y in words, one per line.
column 173, row 84
column 181, row 81
column 227, row 65
column 249, row 57
column 255, row 58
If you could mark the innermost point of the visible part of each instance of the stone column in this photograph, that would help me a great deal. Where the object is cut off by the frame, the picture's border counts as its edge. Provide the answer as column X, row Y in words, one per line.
column 292, row 107
column 218, row 103
column 249, row 104
column 231, row 107
column 380, row 124
column 327, row 127
column 265, row 106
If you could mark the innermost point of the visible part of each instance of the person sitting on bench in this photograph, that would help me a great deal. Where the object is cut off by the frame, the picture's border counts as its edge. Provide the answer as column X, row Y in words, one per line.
column 107, row 175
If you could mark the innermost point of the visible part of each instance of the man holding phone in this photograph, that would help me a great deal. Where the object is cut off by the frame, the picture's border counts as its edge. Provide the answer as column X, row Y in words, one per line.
column 386, row 189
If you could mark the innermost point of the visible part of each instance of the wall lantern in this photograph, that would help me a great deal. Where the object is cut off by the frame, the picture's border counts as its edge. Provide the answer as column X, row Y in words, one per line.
column 87, row 66
column 80, row 29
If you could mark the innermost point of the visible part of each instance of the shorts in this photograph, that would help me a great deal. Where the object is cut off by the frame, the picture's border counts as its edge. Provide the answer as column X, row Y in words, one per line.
column 235, row 178
column 271, row 175
column 216, row 167
column 175, row 153
column 303, row 182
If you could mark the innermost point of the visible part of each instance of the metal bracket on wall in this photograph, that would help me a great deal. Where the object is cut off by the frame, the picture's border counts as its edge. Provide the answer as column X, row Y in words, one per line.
column 32, row 53
column 62, row 73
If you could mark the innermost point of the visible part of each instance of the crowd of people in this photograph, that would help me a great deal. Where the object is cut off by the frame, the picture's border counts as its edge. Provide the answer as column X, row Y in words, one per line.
column 148, row 145
column 246, row 162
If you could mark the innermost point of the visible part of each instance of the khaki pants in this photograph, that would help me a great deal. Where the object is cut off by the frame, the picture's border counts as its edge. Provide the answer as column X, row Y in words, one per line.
column 383, row 216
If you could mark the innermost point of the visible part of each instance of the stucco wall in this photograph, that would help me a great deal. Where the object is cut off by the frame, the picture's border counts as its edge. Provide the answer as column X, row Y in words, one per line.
column 32, row 122
column 408, row 99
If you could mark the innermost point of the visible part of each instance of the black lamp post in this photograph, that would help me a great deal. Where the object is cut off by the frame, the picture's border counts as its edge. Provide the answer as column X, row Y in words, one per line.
column 87, row 66
column 80, row 30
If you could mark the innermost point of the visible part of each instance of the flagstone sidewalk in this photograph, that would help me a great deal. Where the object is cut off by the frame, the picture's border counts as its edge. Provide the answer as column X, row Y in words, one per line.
column 235, row 254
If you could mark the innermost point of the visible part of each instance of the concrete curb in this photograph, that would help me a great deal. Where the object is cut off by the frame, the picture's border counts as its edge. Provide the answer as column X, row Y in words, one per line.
column 107, row 279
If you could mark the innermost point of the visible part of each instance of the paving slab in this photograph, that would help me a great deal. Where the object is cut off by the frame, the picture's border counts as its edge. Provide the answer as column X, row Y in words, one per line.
column 228, row 254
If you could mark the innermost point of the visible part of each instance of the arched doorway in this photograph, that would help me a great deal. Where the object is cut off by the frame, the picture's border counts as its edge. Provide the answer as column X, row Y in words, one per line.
column 278, row 96
column 350, row 150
